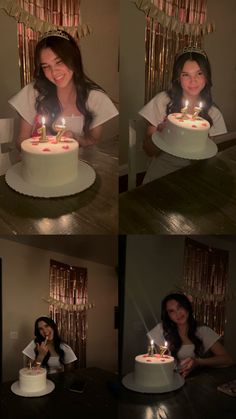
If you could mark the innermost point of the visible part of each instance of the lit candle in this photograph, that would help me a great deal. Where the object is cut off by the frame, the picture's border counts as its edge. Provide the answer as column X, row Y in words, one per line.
column 60, row 129
column 197, row 110
column 151, row 348
column 42, row 131
column 163, row 349
column 185, row 109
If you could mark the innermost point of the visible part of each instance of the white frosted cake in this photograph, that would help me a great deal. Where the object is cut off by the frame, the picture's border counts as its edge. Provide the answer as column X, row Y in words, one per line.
column 153, row 371
column 185, row 133
column 185, row 136
column 32, row 380
column 49, row 163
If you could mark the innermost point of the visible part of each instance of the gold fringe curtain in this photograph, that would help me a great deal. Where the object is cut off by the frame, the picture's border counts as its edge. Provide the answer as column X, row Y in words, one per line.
column 170, row 25
column 206, row 282
column 48, row 14
column 68, row 286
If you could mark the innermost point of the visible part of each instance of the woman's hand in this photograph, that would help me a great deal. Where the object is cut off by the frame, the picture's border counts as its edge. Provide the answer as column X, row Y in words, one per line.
column 42, row 349
column 162, row 125
column 149, row 147
column 186, row 366
column 68, row 134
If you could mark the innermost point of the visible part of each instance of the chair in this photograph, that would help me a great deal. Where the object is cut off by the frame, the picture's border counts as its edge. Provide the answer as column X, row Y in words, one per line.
column 137, row 158
column 6, row 145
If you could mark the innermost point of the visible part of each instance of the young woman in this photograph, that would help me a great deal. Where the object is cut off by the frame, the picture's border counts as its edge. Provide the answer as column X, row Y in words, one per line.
column 47, row 349
column 191, row 81
column 186, row 340
column 62, row 90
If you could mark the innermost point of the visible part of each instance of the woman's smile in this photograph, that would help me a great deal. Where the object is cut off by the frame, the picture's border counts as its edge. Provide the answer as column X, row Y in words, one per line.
column 54, row 69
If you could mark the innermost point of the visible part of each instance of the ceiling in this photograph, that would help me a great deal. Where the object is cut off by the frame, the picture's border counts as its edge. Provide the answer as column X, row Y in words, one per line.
column 99, row 249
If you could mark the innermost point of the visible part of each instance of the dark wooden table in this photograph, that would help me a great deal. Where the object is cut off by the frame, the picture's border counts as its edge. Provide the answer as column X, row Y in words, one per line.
column 198, row 199
column 97, row 401
column 93, row 211
column 197, row 399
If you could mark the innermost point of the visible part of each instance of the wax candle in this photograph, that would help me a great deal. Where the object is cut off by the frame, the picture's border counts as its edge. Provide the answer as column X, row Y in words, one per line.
column 185, row 109
column 42, row 131
column 60, row 129
column 151, row 348
column 197, row 110
column 163, row 349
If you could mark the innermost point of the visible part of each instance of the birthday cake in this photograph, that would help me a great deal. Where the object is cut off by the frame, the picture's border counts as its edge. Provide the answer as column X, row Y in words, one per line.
column 32, row 379
column 186, row 136
column 50, row 163
column 154, row 371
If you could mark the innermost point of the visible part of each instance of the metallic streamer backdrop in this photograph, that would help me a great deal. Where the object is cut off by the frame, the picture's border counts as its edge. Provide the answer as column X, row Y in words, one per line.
column 57, row 12
column 162, row 43
column 69, row 284
column 206, row 281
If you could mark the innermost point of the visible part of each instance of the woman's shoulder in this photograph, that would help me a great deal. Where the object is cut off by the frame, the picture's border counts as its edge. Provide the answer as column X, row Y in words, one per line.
column 156, row 329
column 27, row 92
column 204, row 331
column 214, row 111
column 65, row 346
column 96, row 94
column 29, row 88
column 161, row 97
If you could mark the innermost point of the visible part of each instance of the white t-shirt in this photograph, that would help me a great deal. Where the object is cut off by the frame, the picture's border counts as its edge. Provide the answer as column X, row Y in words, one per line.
column 205, row 333
column 53, row 362
column 98, row 102
column 155, row 112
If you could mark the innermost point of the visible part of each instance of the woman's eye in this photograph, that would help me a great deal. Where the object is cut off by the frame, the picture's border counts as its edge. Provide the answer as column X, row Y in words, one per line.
column 58, row 62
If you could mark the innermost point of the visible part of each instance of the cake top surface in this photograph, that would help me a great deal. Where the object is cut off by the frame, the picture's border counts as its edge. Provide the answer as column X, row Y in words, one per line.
column 189, row 122
column 33, row 145
column 155, row 359
column 33, row 371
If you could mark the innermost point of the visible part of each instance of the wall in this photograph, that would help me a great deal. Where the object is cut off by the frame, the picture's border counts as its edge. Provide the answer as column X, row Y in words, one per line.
column 25, row 279
column 154, row 267
column 9, row 72
column 219, row 46
column 100, row 49
column 99, row 52
column 132, row 69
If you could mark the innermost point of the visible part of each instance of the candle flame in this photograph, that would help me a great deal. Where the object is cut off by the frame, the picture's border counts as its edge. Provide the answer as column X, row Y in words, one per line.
column 165, row 343
column 200, row 104
column 152, row 342
column 63, row 121
column 43, row 120
column 186, row 103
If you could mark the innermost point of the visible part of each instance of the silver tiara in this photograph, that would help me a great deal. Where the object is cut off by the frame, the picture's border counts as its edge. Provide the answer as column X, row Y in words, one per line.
column 56, row 32
column 191, row 49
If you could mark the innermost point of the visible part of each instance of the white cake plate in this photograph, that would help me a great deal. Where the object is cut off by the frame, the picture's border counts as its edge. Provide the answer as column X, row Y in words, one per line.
column 85, row 178
column 128, row 382
column 209, row 151
column 15, row 388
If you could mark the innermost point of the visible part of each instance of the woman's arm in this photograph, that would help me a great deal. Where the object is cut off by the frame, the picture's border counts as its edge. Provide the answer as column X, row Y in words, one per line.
column 220, row 358
column 42, row 349
column 70, row 366
column 24, row 132
column 149, row 147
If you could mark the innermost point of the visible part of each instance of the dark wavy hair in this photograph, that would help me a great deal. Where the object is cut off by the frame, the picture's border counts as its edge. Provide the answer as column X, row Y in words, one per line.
column 56, row 339
column 47, row 102
column 170, row 329
column 176, row 92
